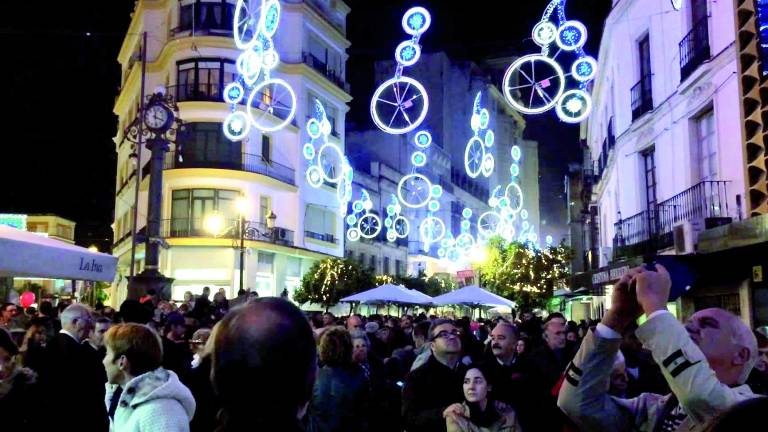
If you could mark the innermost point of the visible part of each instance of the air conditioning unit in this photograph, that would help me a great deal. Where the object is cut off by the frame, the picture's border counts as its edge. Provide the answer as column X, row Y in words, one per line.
column 605, row 256
column 281, row 233
column 684, row 237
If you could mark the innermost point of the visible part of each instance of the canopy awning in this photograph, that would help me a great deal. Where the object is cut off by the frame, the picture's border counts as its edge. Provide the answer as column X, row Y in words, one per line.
column 389, row 294
column 473, row 295
column 26, row 254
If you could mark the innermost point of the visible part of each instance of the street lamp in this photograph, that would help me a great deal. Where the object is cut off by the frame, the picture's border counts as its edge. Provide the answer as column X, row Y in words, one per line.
column 216, row 225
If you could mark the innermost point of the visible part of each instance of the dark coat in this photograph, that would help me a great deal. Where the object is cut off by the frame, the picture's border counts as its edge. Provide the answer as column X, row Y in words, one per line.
column 340, row 400
column 20, row 401
column 543, row 372
column 177, row 357
column 69, row 370
column 429, row 390
column 198, row 380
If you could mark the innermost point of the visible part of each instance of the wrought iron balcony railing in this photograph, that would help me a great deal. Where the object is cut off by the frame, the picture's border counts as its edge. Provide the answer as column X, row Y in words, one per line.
column 328, row 238
column 195, row 228
column 642, row 96
column 248, row 163
column 705, row 201
column 694, row 48
column 325, row 70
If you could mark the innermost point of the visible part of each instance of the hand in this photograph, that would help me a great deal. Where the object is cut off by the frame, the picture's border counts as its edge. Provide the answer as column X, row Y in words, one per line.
column 456, row 409
column 502, row 408
column 624, row 305
column 653, row 289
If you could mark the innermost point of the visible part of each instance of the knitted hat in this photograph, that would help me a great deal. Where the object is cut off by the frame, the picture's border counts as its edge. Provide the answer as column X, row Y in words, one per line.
column 372, row 327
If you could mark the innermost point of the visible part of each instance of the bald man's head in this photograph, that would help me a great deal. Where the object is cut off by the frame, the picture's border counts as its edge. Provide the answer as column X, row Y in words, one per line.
column 727, row 343
column 267, row 345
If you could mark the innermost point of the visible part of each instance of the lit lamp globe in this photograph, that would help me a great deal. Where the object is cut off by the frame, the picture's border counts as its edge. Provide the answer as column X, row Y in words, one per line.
column 214, row 224
column 93, row 248
column 271, row 220
column 243, row 205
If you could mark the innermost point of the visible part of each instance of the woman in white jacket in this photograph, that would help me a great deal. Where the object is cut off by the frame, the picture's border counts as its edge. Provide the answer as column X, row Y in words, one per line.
column 142, row 396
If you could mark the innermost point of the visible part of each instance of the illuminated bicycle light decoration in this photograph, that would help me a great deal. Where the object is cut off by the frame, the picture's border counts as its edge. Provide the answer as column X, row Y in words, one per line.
column 431, row 231
column 477, row 159
column 414, row 190
column 270, row 102
column 400, row 104
column 362, row 222
column 537, row 83
column 326, row 162
column 398, row 227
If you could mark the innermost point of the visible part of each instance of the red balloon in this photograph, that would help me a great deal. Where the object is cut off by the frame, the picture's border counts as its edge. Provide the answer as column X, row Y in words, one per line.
column 27, row 299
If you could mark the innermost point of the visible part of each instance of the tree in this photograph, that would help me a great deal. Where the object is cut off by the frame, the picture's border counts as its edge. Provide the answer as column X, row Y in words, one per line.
column 330, row 280
column 523, row 272
column 432, row 286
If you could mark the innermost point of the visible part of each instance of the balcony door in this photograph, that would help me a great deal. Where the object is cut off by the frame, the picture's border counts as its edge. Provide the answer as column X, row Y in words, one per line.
column 644, row 47
column 698, row 11
column 649, row 167
column 706, row 148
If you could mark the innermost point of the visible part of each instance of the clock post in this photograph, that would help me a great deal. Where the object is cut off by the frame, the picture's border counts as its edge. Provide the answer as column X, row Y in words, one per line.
column 160, row 127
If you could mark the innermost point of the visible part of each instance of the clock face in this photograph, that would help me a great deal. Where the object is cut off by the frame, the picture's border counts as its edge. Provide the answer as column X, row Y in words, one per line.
column 156, row 117
column 677, row 4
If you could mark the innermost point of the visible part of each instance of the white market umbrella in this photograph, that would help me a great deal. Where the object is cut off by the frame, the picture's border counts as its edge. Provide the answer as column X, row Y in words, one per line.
column 473, row 295
column 388, row 293
column 26, row 254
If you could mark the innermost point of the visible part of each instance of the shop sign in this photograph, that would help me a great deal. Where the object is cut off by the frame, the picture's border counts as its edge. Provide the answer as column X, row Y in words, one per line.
column 465, row 274
column 610, row 275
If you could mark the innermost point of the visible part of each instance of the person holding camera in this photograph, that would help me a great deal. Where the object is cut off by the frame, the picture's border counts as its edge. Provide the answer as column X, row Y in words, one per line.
column 705, row 363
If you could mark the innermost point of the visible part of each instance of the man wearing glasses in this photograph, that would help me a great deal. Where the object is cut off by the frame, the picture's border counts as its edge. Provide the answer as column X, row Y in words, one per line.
column 433, row 387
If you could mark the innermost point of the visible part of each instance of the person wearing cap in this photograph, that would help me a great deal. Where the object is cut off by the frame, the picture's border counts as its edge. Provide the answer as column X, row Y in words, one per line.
column 18, row 388
column 176, row 353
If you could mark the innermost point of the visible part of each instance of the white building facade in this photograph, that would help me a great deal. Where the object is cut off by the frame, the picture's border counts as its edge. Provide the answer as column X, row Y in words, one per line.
column 191, row 53
column 664, row 158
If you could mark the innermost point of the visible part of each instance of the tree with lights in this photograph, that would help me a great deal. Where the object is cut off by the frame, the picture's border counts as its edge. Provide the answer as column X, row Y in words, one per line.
column 524, row 273
column 330, row 280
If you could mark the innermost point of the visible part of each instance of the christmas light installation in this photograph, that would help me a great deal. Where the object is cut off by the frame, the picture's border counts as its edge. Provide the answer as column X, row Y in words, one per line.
column 362, row 222
column 326, row 162
column 536, row 83
column 477, row 157
column 398, row 227
column 270, row 103
column 400, row 104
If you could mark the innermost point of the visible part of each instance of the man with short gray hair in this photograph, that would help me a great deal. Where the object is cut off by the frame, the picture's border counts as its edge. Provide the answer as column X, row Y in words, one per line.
column 705, row 362
column 70, row 371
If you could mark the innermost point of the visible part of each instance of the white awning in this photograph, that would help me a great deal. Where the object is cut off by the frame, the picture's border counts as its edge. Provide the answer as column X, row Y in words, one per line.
column 473, row 295
column 25, row 254
column 389, row 294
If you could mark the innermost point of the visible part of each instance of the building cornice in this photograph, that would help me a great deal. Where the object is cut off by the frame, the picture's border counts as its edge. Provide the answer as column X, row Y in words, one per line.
column 137, row 23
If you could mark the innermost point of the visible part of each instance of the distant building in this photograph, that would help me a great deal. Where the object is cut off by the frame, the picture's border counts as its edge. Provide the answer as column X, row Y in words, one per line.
column 452, row 86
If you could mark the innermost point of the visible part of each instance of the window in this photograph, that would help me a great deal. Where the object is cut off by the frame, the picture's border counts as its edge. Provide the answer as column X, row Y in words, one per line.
column 372, row 263
column 266, row 148
column 205, row 146
column 203, row 79
column 385, row 270
column 190, row 208
column 265, row 263
column 320, row 223
column 706, row 150
column 642, row 92
column 361, row 258
column 205, row 16
column 398, row 267
column 293, row 267
column 265, row 207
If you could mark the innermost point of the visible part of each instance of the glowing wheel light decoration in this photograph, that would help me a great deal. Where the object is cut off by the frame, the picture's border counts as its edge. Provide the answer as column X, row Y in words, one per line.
column 423, row 139
column 236, row 126
column 369, row 225
column 399, row 105
column 432, row 230
column 363, row 223
column 536, row 83
column 476, row 160
column 488, row 224
column 330, row 160
column 271, row 104
column 414, row 190
column 574, row 106
column 514, row 195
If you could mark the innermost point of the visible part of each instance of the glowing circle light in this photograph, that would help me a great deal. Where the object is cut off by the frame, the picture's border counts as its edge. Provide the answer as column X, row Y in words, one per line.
column 571, row 35
column 416, row 21
column 574, row 106
column 236, row 126
column 399, row 105
column 584, row 69
column 544, row 33
column 407, row 53
column 414, row 190
column 540, row 81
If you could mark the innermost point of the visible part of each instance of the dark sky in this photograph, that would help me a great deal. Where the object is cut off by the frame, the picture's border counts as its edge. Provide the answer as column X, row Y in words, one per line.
column 59, row 85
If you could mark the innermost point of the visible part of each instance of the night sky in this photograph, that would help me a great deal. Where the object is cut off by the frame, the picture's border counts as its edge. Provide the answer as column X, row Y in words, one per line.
column 59, row 85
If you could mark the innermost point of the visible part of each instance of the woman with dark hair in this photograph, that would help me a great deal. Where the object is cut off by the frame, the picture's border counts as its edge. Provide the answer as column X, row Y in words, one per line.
column 264, row 362
column 341, row 397
column 478, row 412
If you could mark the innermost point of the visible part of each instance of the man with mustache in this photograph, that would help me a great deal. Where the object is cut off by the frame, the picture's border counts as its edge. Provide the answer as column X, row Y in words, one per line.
column 705, row 362
column 505, row 368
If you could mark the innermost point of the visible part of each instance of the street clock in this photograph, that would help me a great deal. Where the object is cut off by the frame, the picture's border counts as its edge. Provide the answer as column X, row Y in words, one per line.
column 158, row 117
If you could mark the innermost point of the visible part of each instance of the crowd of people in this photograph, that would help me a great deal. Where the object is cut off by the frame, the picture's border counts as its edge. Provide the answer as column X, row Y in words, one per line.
column 261, row 364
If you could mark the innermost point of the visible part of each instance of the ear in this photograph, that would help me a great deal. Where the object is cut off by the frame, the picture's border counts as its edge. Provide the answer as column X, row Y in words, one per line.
column 741, row 356
column 123, row 363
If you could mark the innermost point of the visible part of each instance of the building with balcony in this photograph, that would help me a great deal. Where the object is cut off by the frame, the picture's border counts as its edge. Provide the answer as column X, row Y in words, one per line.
column 191, row 52
column 452, row 86
column 663, row 146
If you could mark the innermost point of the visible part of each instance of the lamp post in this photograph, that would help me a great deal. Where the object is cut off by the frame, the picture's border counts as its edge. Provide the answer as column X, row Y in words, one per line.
column 245, row 229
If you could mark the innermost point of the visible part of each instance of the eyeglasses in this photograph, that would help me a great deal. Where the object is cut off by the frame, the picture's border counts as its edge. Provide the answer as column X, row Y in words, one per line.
column 446, row 334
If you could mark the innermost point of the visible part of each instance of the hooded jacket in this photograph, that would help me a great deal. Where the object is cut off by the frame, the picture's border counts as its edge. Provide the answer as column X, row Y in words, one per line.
column 153, row 402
